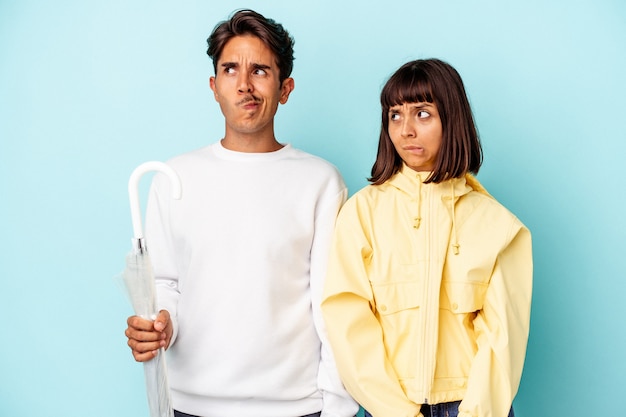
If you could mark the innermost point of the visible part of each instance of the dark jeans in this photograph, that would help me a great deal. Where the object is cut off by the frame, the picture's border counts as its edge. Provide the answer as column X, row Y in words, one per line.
column 179, row 414
column 442, row 410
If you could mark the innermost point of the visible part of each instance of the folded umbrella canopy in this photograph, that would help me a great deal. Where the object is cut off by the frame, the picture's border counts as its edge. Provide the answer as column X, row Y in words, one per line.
column 138, row 281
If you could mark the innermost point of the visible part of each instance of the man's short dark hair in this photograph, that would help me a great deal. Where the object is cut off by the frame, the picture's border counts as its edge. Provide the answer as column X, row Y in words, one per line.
column 249, row 22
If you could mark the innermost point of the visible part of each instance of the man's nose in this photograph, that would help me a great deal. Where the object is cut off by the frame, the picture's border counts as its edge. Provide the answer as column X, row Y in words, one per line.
column 244, row 84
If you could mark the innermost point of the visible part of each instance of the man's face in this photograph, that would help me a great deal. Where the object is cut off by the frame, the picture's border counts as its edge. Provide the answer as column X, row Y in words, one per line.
column 247, row 87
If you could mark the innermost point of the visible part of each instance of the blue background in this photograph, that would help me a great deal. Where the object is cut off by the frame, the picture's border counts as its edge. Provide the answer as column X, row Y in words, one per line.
column 91, row 89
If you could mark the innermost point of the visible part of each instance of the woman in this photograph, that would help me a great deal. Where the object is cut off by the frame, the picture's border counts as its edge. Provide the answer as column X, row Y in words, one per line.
column 427, row 298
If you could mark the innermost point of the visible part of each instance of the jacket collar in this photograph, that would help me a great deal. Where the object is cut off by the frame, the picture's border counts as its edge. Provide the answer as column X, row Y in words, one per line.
column 408, row 181
column 411, row 183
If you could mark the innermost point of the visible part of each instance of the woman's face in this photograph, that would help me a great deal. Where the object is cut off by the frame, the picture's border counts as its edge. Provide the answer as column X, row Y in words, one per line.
column 415, row 131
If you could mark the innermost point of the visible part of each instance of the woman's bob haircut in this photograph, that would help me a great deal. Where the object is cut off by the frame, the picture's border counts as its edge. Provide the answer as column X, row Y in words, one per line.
column 432, row 81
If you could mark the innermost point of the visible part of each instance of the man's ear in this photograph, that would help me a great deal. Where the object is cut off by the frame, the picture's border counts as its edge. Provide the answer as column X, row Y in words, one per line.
column 212, row 85
column 285, row 89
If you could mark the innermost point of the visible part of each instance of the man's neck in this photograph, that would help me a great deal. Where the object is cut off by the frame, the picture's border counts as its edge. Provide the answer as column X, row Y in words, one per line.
column 251, row 143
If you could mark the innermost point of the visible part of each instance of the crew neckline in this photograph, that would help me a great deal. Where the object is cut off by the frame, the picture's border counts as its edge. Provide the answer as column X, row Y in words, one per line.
column 220, row 151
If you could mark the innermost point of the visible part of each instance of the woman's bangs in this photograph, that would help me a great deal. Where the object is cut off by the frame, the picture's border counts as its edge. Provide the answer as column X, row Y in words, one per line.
column 406, row 88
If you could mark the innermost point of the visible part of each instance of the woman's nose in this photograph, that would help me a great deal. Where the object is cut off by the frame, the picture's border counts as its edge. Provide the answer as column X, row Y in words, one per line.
column 408, row 129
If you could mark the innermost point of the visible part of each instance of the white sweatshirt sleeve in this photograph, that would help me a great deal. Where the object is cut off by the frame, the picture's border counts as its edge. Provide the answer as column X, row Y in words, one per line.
column 161, row 248
column 337, row 401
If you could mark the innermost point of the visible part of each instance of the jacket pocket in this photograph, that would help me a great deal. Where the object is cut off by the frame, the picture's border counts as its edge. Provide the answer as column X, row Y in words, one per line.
column 463, row 297
column 392, row 298
column 397, row 307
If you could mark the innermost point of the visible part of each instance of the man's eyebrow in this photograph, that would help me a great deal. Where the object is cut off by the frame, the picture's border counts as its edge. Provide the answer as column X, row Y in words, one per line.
column 236, row 65
column 260, row 66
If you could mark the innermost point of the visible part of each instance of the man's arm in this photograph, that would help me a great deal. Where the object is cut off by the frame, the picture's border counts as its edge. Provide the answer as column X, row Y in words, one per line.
column 337, row 401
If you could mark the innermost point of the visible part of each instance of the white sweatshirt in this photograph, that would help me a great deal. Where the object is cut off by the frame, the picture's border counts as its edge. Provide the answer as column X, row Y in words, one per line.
column 239, row 264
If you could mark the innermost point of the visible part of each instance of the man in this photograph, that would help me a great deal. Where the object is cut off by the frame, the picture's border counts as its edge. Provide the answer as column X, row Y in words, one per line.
column 240, row 259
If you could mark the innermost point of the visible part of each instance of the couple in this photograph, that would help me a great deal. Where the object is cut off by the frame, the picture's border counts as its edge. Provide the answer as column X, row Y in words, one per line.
column 422, row 307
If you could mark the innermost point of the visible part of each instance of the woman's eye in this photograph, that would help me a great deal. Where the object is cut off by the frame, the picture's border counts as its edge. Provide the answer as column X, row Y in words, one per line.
column 394, row 117
column 422, row 114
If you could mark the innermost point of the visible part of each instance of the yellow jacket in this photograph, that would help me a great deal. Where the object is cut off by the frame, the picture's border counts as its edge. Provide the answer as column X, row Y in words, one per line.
column 427, row 298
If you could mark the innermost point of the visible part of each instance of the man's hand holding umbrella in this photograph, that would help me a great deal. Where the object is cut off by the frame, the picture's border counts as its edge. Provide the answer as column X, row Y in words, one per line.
column 146, row 337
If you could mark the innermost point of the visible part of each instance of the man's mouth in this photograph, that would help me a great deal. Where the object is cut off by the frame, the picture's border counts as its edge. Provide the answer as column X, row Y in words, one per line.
column 249, row 102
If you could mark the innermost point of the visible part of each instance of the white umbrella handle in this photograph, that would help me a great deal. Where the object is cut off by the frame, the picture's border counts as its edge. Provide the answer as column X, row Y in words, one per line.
column 133, row 193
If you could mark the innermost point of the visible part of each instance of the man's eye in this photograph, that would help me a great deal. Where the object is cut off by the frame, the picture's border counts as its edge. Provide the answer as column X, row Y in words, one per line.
column 259, row 71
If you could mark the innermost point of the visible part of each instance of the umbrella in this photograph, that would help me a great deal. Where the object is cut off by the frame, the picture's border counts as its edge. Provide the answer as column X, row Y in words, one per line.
column 138, row 281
